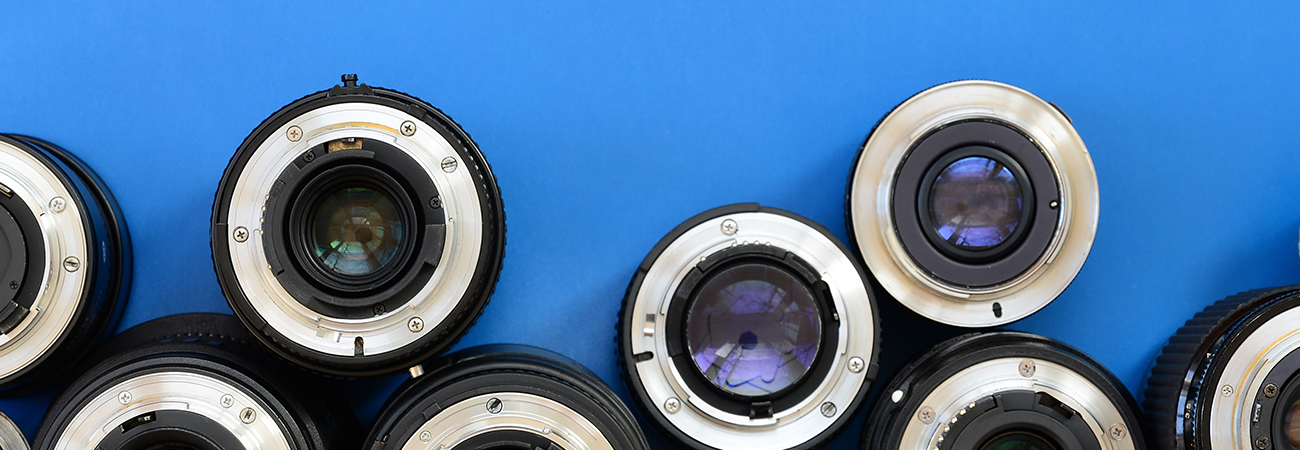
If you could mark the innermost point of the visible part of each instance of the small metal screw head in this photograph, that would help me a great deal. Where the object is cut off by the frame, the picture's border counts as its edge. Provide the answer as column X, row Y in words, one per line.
column 71, row 264
column 13, row 285
column 449, row 164
column 856, row 365
column 925, row 415
column 1117, row 432
column 426, row 436
column 379, row 309
column 247, row 415
column 294, row 134
column 1227, row 390
column 672, row 405
column 408, row 128
column 309, row 156
column 828, row 409
column 1270, row 390
column 729, row 227
column 124, row 397
column 1261, row 443
column 416, row 324
column 57, row 204
column 435, row 203
column 494, row 405
column 1027, row 368
column 227, row 401
column 241, row 234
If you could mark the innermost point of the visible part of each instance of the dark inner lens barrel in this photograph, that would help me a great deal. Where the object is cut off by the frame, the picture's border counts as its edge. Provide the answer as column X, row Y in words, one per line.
column 976, row 203
column 1292, row 424
column 356, row 231
column 1017, row 440
column 753, row 329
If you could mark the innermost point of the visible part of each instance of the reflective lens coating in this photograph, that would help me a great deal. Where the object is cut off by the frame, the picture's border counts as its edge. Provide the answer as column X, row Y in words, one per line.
column 1017, row 440
column 976, row 203
column 1291, row 426
column 356, row 231
column 753, row 330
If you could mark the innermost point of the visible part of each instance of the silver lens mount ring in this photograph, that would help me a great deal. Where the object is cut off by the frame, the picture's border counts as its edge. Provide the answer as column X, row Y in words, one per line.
column 444, row 221
column 1229, row 377
column 970, row 390
column 698, row 413
column 11, row 438
column 973, row 286
column 194, row 381
column 68, row 261
column 506, row 395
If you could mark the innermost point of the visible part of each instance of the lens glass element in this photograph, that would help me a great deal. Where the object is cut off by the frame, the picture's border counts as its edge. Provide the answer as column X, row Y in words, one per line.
column 1017, row 440
column 976, row 203
column 356, row 231
column 1292, row 424
column 753, row 329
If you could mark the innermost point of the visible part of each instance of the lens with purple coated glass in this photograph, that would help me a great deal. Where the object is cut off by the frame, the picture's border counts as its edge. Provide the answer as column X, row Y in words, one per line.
column 753, row 330
column 976, row 203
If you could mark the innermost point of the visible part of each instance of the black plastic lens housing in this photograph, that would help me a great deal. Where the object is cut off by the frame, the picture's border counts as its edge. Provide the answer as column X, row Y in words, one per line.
column 760, row 318
column 1002, row 391
column 230, row 387
column 53, row 195
column 507, row 387
column 358, row 231
column 1229, row 364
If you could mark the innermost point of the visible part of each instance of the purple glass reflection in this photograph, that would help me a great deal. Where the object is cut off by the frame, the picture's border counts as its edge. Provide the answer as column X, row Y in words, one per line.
column 975, row 203
column 753, row 330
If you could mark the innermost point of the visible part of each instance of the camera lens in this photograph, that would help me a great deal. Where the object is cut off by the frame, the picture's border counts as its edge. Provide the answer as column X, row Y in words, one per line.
column 1003, row 391
column 193, row 381
column 505, row 397
column 65, row 263
column 359, row 230
column 11, row 438
column 749, row 327
column 974, row 203
column 1230, row 377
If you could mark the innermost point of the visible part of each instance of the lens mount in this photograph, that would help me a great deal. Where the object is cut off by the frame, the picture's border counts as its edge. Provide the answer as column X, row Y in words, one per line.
column 11, row 438
column 889, row 204
column 404, row 260
column 193, row 381
column 812, row 305
column 1230, row 376
column 979, row 390
column 506, row 396
column 64, row 259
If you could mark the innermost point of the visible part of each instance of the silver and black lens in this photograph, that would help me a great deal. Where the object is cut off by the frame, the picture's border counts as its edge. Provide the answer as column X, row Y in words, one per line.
column 974, row 203
column 505, row 397
column 195, row 382
column 1230, row 377
column 11, row 438
column 65, row 261
column 358, row 230
column 1003, row 391
column 749, row 327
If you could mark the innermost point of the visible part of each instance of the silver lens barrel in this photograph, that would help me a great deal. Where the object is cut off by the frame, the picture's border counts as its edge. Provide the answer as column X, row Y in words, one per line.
column 974, row 203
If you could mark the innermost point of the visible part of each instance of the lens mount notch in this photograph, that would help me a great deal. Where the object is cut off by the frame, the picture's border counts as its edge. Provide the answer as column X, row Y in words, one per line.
column 978, row 386
column 417, row 314
column 71, row 227
column 534, row 396
column 232, row 388
column 995, row 286
column 1217, row 369
column 680, row 410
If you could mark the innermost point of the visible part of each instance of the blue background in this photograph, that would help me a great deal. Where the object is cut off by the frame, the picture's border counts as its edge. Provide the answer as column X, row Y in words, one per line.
column 608, row 124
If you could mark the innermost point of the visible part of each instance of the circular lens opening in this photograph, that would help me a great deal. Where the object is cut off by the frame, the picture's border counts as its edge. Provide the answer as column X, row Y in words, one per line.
column 753, row 330
column 1291, row 425
column 976, row 203
column 1017, row 440
column 356, row 231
